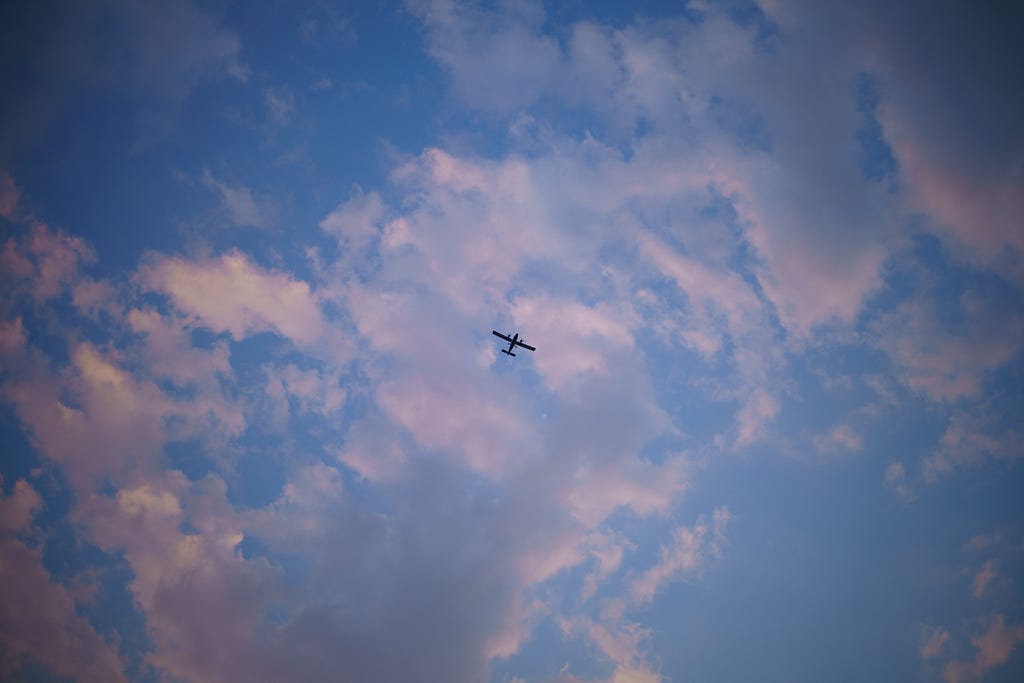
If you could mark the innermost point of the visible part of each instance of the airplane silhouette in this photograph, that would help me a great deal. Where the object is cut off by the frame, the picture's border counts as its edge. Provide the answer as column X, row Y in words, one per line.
column 513, row 342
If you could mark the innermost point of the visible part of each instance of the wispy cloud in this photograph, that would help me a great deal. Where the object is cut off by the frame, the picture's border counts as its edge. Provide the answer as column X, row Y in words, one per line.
column 238, row 202
column 691, row 550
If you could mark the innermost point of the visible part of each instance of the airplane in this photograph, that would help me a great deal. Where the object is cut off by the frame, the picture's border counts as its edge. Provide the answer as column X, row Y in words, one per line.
column 513, row 342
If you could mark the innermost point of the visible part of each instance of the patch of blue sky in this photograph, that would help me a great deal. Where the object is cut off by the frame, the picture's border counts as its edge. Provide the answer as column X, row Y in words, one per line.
column 113, row 612
column 877, row 162
column 689, row 389
column 42, row 328
column 190, row 457
column 20, row 456
column 258, row 477
column 804, row 541
column 743, row 122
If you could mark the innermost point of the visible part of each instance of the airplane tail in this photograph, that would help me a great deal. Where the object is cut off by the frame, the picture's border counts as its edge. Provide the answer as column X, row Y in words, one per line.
column 507, row 352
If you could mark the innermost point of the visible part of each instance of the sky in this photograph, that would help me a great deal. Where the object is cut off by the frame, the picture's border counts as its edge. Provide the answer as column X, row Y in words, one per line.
column 254, row 425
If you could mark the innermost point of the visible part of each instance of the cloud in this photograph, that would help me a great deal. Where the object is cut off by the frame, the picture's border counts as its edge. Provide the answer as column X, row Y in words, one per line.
column 95, row 420
column 896, row 481
column 237, row 201
column 933, row 640
column 619, row 640
column 955, row 137
column 691, row 551
column 44, row 264
column 841, row 437
column 202, row 601
column 577, row 338
column 280, row 103
column 356, row 221
column 39, row 622
column 755, row 413
column 433, row 502
column 969, row 440
column 497, row 61
column 984, row 578
column 233, row 294
column 993, row 648
column 820, row 231
column 948, row 361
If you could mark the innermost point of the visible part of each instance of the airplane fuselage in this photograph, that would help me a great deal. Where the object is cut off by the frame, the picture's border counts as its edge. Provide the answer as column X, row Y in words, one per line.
column 513, row 341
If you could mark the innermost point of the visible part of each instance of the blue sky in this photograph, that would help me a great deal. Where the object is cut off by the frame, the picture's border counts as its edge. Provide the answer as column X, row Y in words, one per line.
column 254, row 425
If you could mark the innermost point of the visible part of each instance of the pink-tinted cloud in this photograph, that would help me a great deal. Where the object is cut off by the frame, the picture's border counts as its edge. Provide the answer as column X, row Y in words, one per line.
column 993, row 647
column 691, row 550
column 201, row 599
column 712, row 291
column 971, row 439
column 619, row 639
column 236, row 295
column 841, row 437
column 356, row 221
column 944, row 363
column 43, row 263
column 112, row 425
column 458, row 418
column 102, row 414
column 933, row 641
column 166, row 350
column 308, row 391
column 896, row 481
column 955, row 137
column 821, row 232
column 39, row 621
column 576, row 338
column 755, row 413
column 984, row 578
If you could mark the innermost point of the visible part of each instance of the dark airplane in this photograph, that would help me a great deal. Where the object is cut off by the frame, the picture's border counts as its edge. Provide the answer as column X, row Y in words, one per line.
column 513, row 342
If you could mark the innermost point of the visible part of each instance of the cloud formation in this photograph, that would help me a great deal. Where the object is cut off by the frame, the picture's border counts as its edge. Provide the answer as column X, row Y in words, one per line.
column 733, row 233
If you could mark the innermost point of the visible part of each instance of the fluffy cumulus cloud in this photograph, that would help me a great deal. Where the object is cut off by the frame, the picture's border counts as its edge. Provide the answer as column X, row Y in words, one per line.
column 736, row 232
column 232, row 294
column 40, row 622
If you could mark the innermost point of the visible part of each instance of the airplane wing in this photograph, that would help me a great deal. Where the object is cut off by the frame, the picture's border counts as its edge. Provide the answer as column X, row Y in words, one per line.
column 499, row 334
column 525, row 346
